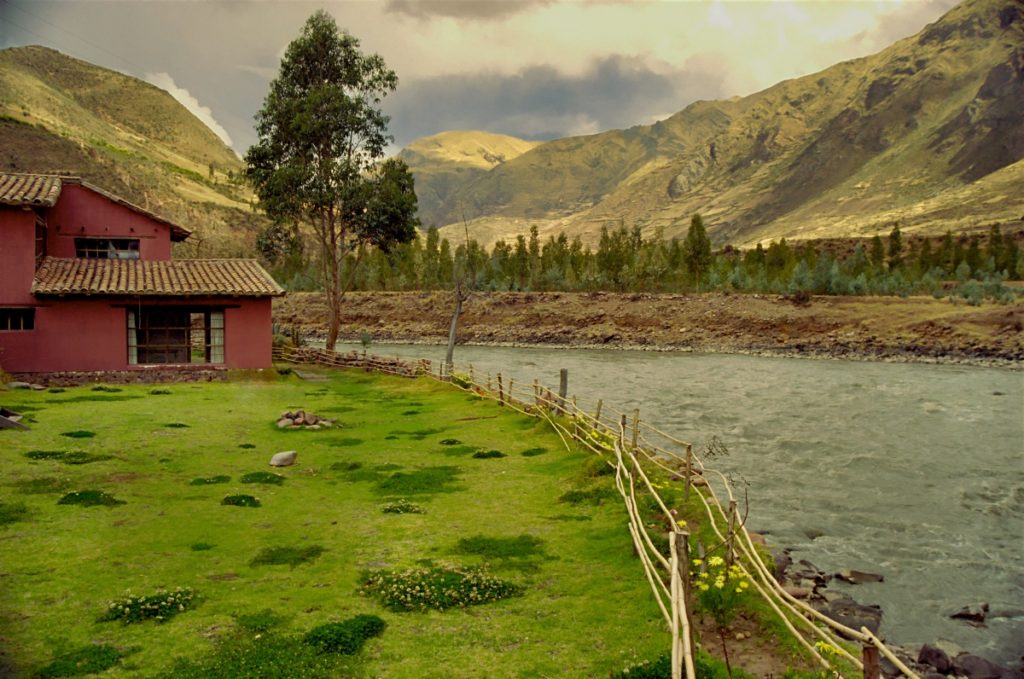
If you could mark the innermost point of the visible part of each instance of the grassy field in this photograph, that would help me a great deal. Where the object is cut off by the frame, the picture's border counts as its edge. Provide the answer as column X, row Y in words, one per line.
column 583, row 607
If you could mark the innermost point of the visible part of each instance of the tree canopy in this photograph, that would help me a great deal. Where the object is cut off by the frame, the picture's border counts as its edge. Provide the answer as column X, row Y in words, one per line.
column 318, row 160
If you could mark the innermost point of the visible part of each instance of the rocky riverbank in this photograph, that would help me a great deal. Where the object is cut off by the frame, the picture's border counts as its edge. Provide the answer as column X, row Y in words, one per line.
column 916, row 329
column 805, row 581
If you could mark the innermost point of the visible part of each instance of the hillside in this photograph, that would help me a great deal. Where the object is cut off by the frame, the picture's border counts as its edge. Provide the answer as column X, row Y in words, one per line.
column 927, row 132
column 63, row 115
column 445, row 161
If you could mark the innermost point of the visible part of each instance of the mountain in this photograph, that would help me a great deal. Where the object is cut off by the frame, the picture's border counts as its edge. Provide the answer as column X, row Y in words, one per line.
column 927, row 133
column 445, row 161
column 63, row 115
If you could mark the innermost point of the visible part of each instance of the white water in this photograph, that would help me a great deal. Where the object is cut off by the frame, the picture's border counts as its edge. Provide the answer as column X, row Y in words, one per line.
column 912, row 471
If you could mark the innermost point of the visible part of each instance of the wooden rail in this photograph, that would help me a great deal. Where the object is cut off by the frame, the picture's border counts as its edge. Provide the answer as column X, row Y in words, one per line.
column 634, row 449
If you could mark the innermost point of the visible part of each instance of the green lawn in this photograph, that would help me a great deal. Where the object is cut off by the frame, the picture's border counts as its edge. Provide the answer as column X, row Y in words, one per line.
column 585, row 608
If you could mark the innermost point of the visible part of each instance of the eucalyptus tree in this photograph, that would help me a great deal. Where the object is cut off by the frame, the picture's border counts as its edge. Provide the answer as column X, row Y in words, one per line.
column 319, row 159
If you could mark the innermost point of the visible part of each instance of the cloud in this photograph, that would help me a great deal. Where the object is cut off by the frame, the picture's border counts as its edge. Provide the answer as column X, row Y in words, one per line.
column 165, row 82
column 473, row 10
column 541, row 102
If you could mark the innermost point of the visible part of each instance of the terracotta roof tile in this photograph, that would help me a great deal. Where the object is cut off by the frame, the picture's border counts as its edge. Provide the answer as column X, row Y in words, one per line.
column 174, row 278
column 43, row 191
column 29, row 189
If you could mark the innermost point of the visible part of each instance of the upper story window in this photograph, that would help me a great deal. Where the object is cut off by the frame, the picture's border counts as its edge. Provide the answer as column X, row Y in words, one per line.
column 107, row 248
column 17, row 319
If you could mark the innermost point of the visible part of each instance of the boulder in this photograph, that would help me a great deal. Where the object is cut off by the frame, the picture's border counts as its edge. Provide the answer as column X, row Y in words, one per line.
column 782, row 562
column 971, row 613
column 854, row 615
column 797, row 592
column 284, row 422
column 858, row 577
column 19, row 385
column 285, row 459
column 936, row 657
column 313, row 426
column 976, row 667
column 312, row 419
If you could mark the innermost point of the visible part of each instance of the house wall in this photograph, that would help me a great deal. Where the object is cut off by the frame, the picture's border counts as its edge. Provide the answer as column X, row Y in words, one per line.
column 17, row 255
column 85, row 334
column 81, row 212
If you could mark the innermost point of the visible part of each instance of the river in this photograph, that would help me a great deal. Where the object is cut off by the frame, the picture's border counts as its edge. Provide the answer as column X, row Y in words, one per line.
column 912, row 471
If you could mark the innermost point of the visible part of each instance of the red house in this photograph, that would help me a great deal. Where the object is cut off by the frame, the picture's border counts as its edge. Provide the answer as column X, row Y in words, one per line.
column 87, row 283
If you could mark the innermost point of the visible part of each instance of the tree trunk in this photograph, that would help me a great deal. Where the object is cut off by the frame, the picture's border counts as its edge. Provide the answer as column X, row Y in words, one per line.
column 452, row 331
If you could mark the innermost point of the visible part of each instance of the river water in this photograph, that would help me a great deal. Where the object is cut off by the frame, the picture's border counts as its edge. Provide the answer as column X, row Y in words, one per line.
column 912, row 471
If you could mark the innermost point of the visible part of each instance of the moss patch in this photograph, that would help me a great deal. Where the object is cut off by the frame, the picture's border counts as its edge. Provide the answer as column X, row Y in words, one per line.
column 90, row 498
column 287, row 556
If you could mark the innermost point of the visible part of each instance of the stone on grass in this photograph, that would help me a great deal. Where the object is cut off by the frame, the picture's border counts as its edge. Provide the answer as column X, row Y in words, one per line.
column 284, row 422
column 285, row 459
column 19, row 385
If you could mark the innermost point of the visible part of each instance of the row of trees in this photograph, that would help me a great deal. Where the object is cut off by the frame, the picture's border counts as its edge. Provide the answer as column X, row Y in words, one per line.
column 626, row 261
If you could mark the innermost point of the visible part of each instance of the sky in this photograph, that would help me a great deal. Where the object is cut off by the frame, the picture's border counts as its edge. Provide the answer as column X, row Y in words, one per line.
column 534, row 69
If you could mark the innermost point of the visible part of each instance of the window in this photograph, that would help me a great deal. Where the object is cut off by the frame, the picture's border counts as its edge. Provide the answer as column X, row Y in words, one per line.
column 175, row 335
column 17, row 319
column 107, row 248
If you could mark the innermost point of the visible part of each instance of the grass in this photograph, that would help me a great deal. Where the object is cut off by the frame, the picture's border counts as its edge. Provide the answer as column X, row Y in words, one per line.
column 90, row 498
column 65, row 565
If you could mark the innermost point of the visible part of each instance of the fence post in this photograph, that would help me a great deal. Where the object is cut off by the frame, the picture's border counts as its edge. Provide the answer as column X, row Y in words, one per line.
column 622, row 430
column 689, row 473
column 501, row 395
column 636, row 426
column 575, row 420
column 472, row 381
column 730, row 544
column 510, row 399
column 597, row 415
column 490, row 388
column 563, row 389
column 683, row 545
column 872, row 663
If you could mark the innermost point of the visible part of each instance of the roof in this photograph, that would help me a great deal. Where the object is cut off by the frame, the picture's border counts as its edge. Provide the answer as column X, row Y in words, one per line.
column 43, row 190
column 34, row 190
column 161, row 278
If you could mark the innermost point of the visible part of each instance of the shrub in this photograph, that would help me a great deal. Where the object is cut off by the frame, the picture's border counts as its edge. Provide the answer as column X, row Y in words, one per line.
column 286, row 556
column 533, row 452
column 79, row 434
column 161, row 606
column 12, row 511
column 423, row 481
column 520, row 547
column 241, row 501
column 260, row 622
column 67, row 457
column 345, row 637
column 719, row 589
column 437, row 588
column 105, row 388
column 268, row 478
column 596, row 466
column 488, row 454
column 45, row 484
column 402, row 507
column 706, row 667
column 593, row 496
column 89, row 659
column 461, row 380
column 160, row 392
column 209, row 480
column 261, row 655
column 90, row 498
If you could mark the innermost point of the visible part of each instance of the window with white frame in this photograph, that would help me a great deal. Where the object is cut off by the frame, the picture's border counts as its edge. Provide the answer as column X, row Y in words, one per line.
column 175, row 335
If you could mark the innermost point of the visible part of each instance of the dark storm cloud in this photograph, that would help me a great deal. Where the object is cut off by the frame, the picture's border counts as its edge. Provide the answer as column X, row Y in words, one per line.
column 542, row 103
column 478, row 10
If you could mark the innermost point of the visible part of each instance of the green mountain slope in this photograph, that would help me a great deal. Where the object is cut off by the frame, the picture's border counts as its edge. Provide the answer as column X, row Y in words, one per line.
column 60, row 114
column 928, row 132
column 443, row 162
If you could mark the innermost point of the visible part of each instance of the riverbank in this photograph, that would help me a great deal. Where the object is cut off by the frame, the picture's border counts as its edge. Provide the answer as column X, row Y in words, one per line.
column 914, row 329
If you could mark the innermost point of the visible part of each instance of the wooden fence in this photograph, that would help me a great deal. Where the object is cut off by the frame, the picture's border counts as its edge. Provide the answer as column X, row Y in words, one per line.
column 634, row 448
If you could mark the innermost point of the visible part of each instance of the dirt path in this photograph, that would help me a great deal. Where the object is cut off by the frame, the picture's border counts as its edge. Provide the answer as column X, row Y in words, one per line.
column 880, row 328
